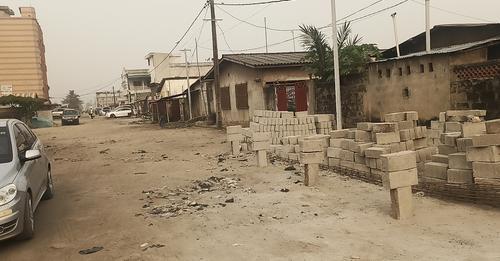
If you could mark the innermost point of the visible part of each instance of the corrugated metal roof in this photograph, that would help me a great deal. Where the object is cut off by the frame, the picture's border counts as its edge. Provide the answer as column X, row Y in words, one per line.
column 265, row 60
column 445, row 50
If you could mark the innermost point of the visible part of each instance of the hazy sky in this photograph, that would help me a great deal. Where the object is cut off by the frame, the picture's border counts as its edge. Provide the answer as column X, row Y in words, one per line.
column 89, row 42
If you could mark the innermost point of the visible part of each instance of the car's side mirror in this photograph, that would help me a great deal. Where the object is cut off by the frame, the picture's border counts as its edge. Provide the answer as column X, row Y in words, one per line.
column 30, row 155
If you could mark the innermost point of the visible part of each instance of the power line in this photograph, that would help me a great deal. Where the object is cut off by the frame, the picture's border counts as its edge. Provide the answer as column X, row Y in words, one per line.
column 360, row 10
column 455, row 13
column 224, row 37
column 254, row 3
column 255, row 25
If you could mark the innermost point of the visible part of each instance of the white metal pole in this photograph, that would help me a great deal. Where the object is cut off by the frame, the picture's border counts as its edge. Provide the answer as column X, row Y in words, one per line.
column 202, row 92
column 265, row 28
column 396, row 33
column 188, row 84
column 428, row 25
column 336, row 65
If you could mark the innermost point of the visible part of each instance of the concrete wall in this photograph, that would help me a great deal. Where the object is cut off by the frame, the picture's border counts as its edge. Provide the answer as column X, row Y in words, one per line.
column 22, row 56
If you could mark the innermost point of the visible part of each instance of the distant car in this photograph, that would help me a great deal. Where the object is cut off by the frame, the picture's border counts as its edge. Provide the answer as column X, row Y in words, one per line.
column 25, row 179
column 104, row 111
column 119, row 112
column 57, row 113
column 70, row 116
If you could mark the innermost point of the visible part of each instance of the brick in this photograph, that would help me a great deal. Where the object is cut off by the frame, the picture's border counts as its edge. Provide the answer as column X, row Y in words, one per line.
column 400, row 179
column 473, row 128
column 420, row 143
column 395, row 117
column 436, row 170
column 311, row 158
column 485, row 140
column 365, row 126
column 463, row 144
column 447, row 150
column 363, row 136
column 388, row 138
column 484, row 154
column 311, row 145
column 338, row 134
column 453, row 127
column 459, row 161
column 334, row 152
column 384, row 127
column 439, row 158
column 486, row 170
column 399, row 161
column 460, row 176
column 402, row 203
column 493, row 127
column 376, row 152
column 332, row 162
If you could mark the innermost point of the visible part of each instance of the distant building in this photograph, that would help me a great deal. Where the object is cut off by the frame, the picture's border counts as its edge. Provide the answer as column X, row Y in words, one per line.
column 135, row 84
column 110, row 99
column 168, row 73
column 23, row 71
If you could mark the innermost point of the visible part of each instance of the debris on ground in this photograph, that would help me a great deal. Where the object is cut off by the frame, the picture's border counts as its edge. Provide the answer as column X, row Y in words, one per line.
column 90, row 250
column 147, row 246
column 290, row 168
column 140, row 152
column 285, row 190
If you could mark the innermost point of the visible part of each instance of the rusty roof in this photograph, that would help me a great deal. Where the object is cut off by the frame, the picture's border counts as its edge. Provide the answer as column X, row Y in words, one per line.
column 267, row 60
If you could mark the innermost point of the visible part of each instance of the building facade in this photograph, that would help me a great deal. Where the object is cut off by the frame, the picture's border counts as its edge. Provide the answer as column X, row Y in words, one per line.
column 23, row 70
column 135, row 84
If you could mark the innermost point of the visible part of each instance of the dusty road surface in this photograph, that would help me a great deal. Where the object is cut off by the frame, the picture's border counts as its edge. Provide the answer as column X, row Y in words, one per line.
column 143, row 193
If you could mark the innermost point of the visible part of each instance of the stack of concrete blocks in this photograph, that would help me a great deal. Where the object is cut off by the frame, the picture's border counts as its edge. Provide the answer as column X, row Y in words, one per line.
column 324, row 140
column 399, row 174
column 260, row 142
column 451, row 164
column 290, row 149
column 347, row 153
column 283, row 124
column 485, row 155
column 324, row 123
column 234, row 138
column 311, row 156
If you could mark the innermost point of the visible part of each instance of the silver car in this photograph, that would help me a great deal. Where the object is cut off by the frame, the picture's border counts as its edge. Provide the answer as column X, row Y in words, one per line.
column 25, row 178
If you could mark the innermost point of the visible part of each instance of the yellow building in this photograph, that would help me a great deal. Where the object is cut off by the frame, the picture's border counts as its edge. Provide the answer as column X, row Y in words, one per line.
column 23, row 71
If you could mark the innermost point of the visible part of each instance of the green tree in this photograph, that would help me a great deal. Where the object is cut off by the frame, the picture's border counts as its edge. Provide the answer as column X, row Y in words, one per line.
column 353, row 55
column 73, row 100
column 24, row 107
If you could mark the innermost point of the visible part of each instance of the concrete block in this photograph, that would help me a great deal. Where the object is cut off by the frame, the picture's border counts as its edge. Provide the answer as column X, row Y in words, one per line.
column 311, row 158
column 345, row 144
column 399, row 161
column 388, row 138
column 447, row 150
column 481, row 181
column 420, row 143
column 261, row 136
column 235, row 148
column 435, row 134
column 395, row 147
column 262, row 158
column 234, row 137
column 402, row 203
column 485, row 140
column 437, row 125
column 405, row 135
column 436, row 170
column 478, row 113
column 311, row 174
column 486, row 170
column 332, row 162
column 234, row 129
column 261, row 145
column 351, row 134
column 464, row 143
column 338, row 134
column 402, row 146
column 484, row 154
column 294, row 156
column 411, row 116
column 376, row 172
column 352, row 145
column 493, row 127
column 450, row 139
column 301, row 114
column 384, row 127
column 432, row 180
column 453, row 127
column 412, row 134
column 334, row 152
column 439, row 158
column 459, row 161
column 363, row 136
column 347, row 164
column 410, row 145
column 347, row 155
column 365, row 126
column 473, row 128
column 336, row 143
column 400, row 179
column 460, row 176
column 376, row 152
column 359, row 159
column 395, row 117
column 311, row 145
column 418, row 132
column 361, row 147
column 442, row 116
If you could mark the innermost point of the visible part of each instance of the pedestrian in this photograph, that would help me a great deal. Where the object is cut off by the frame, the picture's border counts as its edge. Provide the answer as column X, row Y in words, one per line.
column 91, row 112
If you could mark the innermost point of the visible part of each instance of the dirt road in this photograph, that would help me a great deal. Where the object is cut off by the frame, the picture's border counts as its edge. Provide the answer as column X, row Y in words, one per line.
column 132, row 190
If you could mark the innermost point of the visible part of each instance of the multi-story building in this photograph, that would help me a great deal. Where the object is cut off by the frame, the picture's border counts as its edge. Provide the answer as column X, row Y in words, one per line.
column 110, row 99
column 135, row 84
column 23, row 71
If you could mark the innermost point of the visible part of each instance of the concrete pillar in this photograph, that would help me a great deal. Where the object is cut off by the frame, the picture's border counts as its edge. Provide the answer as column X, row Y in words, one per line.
column 402, row 203
column 235, row 147
column 262, row 158
column 311, row 174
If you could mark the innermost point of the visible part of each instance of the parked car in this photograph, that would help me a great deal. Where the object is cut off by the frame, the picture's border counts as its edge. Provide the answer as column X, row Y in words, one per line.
column 25, row 179
column 57, row 113
column 70, row 117
column 105, row 111
column 119, row 112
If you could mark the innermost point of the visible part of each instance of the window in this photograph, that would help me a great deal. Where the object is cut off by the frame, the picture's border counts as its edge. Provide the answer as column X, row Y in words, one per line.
column 422, row 68
column 21, row 142
column 5, row 146
column 137, row 83
column 406, row 93
column 388, row 73
column 28, row 135
column 380, row 74
column 400, row 71
column 242, row 96
column 431, row 67
column 408, row 70
column 225, row 98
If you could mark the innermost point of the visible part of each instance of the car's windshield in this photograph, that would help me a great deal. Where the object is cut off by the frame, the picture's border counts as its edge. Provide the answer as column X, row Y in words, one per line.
column 5, row 146
column 70, row 112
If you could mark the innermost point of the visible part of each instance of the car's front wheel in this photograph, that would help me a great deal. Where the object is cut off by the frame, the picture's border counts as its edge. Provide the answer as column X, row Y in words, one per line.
column 49, row 190
column 112, row 116
column 28, row 220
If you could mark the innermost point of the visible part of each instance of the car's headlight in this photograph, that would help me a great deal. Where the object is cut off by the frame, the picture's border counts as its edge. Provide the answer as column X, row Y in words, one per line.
column 7, row 194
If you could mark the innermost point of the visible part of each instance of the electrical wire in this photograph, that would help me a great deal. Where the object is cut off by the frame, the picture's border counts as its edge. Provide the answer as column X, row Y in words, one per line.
column 225, row 39
column 253, row 3
column 255, row 25
column 455, row 13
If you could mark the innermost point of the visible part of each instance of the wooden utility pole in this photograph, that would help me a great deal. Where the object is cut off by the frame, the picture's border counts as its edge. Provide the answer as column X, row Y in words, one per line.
column 216, row 64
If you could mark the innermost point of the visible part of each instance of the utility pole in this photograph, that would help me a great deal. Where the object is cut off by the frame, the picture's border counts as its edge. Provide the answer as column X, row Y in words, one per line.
column 428, row 25
column 114, row 97
column 293, row 37
column 396, row 33
column 265, row 31
column 216, row 64
column 202, row 92
column 336, row 66
column 187, row 80
column 128, row 89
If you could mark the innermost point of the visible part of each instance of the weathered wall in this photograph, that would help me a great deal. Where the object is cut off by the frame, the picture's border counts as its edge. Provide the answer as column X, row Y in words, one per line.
column 481, row 94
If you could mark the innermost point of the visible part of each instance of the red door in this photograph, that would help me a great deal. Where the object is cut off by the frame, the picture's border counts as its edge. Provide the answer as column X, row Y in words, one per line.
column 301, row 96
column 282, row 98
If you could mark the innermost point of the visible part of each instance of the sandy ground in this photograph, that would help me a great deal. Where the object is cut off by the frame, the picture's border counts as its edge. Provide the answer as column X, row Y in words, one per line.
column 110, row 175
